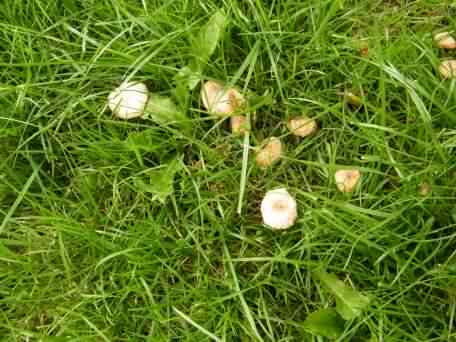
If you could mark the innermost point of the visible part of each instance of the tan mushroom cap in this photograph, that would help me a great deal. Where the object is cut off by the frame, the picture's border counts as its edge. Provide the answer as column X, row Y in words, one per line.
column 302, row 126
column 221, row 101
column 269, row 153
column 346, row 180
column 445, row 40
column 448, row 69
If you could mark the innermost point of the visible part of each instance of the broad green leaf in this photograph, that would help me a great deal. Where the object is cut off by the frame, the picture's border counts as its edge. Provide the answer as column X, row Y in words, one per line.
column 325, row 322
column 204, row 46
column 209, row 36
column 164, row 111
column 160, row 182
column 349, row 302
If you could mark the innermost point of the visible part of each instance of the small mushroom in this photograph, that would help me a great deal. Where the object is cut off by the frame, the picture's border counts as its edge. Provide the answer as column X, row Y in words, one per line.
column 445, row 40
column 129, row 100
column 279, row 209
column 269, row 153
column 302, row 126
column 448, row 69
column 220, row 100
column 239, row 124
column 346, row 180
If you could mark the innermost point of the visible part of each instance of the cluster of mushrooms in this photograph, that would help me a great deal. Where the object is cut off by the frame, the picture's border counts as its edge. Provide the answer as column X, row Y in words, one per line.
column 278, row 207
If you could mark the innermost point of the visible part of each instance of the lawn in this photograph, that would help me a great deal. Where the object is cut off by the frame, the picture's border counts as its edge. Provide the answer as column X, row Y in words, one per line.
column 148, row 230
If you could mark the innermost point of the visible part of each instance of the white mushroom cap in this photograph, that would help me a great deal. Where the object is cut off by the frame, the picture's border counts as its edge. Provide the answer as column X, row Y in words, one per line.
column 269, row 153
column 219, row 100
column 302, row 126
column 346, row 180
column 279, row 209
column 448, row 68
column 444, row 40
column 129, row 100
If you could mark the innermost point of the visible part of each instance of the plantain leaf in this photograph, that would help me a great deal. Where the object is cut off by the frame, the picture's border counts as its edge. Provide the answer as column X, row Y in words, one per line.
column 163, row 110
column 325, row 322
column 349, row 302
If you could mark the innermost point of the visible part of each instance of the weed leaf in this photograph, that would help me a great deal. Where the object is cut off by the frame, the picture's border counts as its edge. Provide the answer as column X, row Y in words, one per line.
column 203, row 47
column 349, row 302
column 160, row 182
column 163, row 110
column 325, row 322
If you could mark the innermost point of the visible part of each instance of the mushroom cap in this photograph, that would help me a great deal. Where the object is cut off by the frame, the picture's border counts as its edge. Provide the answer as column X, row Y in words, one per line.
column 270, row 152
column 444, row 40
column 219, row 100
column 129, row 100
column 279, row 209
column 346, row 180
column 302, row 126
column 448, row 68
column 239, row 124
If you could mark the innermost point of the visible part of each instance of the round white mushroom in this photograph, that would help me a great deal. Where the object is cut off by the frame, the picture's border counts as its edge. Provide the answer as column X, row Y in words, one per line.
column 279, row 209
column 129, row 100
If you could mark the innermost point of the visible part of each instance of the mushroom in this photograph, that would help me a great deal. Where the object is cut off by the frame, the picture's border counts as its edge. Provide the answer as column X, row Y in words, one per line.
column 448, row 68
column 129, row 100
column 302, row 126
column 346, row 180
column 279, row 209
column 444, row 40
column 220, row 100
column 239, row 124
column 270, row 152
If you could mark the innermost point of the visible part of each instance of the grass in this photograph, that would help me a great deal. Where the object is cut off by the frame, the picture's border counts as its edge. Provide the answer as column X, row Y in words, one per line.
column 87, row 254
